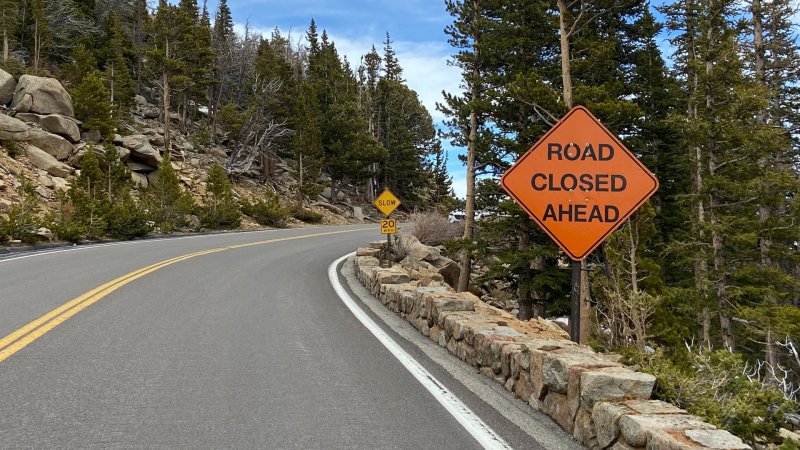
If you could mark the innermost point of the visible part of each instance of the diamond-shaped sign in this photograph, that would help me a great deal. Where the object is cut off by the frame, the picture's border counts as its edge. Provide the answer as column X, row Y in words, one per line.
column 387, row 202
column 579, row 183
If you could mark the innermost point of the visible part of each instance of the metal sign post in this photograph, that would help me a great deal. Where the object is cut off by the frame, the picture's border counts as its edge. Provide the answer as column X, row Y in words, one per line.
column 575, row 312
column 387, row 203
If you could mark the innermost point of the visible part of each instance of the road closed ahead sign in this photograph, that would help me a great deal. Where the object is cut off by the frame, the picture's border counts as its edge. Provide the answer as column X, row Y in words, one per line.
column 579, row 183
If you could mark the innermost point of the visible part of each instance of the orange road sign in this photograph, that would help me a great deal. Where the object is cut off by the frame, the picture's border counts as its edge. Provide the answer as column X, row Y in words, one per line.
column 579, row 183
column 387, row 202
column 388, row 226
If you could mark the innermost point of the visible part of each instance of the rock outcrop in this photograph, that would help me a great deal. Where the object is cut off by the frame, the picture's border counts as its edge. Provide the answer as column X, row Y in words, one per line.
column 54, row 123
column 53, row 144
column 140, row 148
column 62, row 126
column 7, row 87
column 46, row 162
column 12, row 129
column 42, row 95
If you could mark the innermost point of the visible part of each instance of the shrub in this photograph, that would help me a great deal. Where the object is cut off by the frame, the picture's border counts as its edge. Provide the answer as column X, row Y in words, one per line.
column 307, row 215
column 23, row 218
column 433, row 228
column 13, row 66
column 714, row 385
column 4, row 234
column 62, row 221
column 92, row 104
column 221, row 210
column 201, row 138
column 128, row 220
column 12, row 148
column 267, row 212
column 166, row 201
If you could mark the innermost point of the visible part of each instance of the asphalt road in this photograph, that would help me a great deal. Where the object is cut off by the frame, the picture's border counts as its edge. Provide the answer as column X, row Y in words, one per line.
column 242, row 347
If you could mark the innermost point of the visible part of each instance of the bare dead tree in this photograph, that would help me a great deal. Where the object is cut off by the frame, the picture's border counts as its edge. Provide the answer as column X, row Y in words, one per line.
column 774, row 375
column 260, row 129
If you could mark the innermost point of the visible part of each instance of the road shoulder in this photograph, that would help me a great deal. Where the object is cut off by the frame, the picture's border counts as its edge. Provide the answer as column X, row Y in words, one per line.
column 519, row 424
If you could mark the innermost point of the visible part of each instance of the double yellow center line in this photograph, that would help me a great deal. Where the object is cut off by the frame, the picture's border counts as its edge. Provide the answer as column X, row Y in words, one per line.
column 20, row 338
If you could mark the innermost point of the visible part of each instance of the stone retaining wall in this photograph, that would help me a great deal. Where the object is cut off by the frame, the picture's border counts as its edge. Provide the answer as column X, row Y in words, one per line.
column 603, row 404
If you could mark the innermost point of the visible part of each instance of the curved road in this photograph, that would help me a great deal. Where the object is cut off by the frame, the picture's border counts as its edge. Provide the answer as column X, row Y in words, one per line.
column 245, row 345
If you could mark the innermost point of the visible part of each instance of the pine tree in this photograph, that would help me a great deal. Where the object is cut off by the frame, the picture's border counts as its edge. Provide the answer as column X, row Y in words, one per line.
column 140, row 18
column 92, row 104
column 115, row 58
column 163, row 64
column 88, row 198
column 221, row 210
column 82, row 64
column 41, row 32
column 223, row 23
column 466, row 34
column 9, row 21
column 23, row 217
column 307, row 141
column 391, row 67
column 407, row 129
column 166, row 201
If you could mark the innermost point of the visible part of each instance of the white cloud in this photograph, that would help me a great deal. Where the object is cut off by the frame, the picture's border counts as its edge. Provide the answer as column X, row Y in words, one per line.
column 424, row 66
column 424, row 63
column 459, row 182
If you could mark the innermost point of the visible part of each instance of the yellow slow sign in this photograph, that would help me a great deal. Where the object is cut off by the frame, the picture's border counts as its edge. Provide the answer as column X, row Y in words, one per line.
column 387, row 202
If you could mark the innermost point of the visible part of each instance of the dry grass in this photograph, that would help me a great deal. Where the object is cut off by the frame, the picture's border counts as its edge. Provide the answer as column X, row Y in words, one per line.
column 433, row 228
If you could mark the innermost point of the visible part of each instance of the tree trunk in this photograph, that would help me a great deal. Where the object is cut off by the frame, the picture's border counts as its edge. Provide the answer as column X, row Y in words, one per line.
column 566, row 75
column 770, row 357
column 166, row 100
column 112, row 83
column 5, row 45
column 566, row 81
column 525, row 299
column 764, row 211
column 716, row 237
column 465, row 263
column 36, row 46
column 300, row 182
column 699, row 265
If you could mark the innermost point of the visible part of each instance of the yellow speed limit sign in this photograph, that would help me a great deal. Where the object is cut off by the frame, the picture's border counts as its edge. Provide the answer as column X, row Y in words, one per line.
column 388, row 226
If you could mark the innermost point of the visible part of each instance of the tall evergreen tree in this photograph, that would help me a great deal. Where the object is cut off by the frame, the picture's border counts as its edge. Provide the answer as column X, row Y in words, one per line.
column 391, row 67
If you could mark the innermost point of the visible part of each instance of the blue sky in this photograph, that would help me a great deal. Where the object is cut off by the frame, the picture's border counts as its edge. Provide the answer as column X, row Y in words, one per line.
column 415, row 26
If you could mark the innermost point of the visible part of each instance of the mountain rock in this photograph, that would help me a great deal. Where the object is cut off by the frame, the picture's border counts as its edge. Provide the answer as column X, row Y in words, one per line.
column 12, row 129
column 7, row 86
column 139, row 181
column 124, row 154
column 60, row 184
column 42, row 95
column 91, row 136
column 28, row 117
column 140, row 148
column 53, row 144
column 62, row 126
column 48, row 163
column 139, row 167
column 54, row 123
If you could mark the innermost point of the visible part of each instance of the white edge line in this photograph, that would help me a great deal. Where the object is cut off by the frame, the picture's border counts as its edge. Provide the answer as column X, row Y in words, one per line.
column 476, row 427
